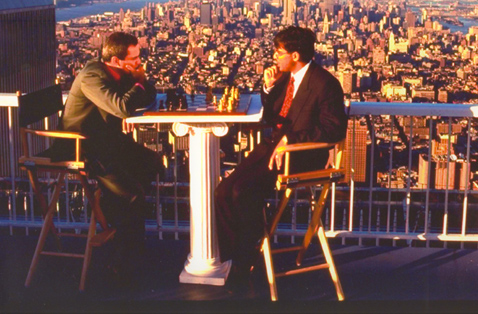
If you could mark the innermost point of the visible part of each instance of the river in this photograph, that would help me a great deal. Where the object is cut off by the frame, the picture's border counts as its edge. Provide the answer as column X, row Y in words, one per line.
column 67, row 14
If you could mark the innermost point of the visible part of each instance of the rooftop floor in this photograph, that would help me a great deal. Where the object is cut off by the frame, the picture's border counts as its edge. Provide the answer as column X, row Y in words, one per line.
column 374, row 279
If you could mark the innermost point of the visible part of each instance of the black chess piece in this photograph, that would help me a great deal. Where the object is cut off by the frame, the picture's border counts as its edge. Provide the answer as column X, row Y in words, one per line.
column 161, row 105
column 170, row 106
column 209, row 94
column 171, row 100
column 183, row 102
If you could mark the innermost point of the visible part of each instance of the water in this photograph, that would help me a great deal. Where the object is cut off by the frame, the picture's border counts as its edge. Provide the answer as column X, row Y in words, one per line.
column 466, row 25
column 100, row 8
column 467, row 22
column 136, row 5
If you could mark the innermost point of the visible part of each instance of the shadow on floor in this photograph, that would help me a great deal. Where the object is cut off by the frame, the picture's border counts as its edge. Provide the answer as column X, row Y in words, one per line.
column 374, row 279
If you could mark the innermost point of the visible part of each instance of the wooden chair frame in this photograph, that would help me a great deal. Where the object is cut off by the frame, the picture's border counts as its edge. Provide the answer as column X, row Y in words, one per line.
column 33, row 165
column 289, row 182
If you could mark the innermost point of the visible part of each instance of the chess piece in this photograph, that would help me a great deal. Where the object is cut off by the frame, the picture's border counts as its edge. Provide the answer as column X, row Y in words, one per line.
column 170, row 106
column 183, row 103
column 209, row 95
column 214, row 100
column 193, row 94
column 220, row 108
column 161, row 105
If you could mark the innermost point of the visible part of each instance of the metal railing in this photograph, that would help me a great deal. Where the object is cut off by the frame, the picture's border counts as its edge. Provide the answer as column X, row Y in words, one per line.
column 396, row 194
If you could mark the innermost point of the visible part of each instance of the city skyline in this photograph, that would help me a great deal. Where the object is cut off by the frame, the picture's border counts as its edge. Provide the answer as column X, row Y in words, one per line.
column 372, row 49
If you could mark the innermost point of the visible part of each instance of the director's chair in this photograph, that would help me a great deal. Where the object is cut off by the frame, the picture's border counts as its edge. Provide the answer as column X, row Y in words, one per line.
column 33, row 108
column 287, row 183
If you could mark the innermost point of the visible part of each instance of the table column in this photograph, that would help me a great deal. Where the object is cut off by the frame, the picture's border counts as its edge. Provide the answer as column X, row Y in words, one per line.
column 203, row 265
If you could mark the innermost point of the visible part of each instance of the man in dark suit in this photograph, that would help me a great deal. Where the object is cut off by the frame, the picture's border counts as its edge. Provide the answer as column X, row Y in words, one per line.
column 303, row 103
column 102, row 95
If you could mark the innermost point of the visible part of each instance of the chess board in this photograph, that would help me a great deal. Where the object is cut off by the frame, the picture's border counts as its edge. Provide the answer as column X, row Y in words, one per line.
column 197, row 105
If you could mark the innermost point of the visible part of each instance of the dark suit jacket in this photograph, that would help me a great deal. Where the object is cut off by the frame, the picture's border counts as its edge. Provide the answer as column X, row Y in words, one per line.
column 317, row 114
column 99, row 99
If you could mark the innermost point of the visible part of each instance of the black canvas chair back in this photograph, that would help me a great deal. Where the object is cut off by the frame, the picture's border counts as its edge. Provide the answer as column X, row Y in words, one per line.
column 35, row 106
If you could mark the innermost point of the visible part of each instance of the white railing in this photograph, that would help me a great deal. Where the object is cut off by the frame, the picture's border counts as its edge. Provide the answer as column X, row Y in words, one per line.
column 386, row 213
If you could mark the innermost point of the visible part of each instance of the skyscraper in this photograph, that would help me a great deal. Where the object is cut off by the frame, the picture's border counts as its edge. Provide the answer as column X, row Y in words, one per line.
column 328, row 7
column 27, row 45
column 356, row 151
column 411, row 19
column 206, row 13
column 288, row 10
column 27, row 63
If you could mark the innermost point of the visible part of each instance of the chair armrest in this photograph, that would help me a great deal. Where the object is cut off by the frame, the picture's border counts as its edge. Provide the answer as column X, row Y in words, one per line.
column 77, row 137
column 58, row 134
column 254, row 126
column 301, row 147
column 306, row 146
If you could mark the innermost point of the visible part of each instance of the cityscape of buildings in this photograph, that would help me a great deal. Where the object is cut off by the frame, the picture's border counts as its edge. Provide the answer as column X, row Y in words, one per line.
column 380, row 51
column 385, row 51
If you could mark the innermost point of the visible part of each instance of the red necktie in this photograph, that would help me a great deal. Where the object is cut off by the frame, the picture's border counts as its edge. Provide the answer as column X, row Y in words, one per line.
column 288, row 99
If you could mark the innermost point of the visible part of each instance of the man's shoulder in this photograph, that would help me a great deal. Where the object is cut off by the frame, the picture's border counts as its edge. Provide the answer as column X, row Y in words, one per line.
column 94, row 65
column 317, row 69
column 321, row 79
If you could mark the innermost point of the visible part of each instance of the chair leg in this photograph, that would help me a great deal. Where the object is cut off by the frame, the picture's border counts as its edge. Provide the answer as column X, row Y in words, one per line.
column 266, row 251
column 314, row 223
column 330, row 261
column 280, row 210
column 32, row 174
column 88, row 251
column 94, row 201
column 47, row 226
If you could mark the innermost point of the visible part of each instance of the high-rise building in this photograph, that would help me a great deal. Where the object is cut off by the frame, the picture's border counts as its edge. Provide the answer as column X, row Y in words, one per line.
column 326, row 27
column 348, row 80
column 121, row 15
column 27, row 63
column 27, row 45
column 411, row 19
column 206, row 18
column 328, row 7
column 378, row 55
column 456, row 177
column 424, row 15
column 356, row 151
column 288, row 11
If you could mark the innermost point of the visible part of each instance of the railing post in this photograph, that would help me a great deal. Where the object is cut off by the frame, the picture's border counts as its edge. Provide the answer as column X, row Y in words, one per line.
column 12, row 164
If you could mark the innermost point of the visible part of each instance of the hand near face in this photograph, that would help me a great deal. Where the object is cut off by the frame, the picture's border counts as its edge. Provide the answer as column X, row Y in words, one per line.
column 137, row 73
column 271, row 75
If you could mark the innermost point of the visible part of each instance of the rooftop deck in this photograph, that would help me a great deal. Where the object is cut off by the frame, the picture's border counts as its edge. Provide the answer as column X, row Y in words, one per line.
column 375, row 280
column 436, row 273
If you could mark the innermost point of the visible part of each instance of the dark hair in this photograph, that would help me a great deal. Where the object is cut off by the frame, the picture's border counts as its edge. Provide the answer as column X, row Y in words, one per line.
column 297, row 39
column 117, row 45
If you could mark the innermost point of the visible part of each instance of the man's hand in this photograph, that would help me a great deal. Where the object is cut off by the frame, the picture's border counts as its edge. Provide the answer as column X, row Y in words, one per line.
column 137, row 73
column 278, row 153
column 271, row 75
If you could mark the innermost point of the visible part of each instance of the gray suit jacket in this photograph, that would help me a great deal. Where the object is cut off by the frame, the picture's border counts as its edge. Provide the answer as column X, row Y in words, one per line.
column 99, row 99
